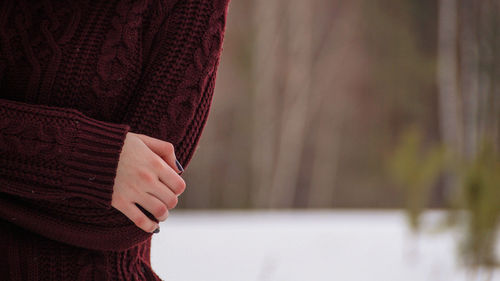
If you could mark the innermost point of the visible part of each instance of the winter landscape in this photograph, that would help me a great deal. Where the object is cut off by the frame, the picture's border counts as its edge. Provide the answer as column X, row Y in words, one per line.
column 298, row 245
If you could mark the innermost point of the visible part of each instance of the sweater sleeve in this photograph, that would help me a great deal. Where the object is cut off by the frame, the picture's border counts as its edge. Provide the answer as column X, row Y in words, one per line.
column 49, row 153
column 177, row 86
column 72, row 158
column 57, row 170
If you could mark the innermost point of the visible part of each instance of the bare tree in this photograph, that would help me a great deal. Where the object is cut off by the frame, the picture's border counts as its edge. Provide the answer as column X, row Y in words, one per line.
column 295, row 103
column 449, row 111
column 487, row 25
column 479, row 68
column 334, row 73
column 266, row 16
column 469, row 80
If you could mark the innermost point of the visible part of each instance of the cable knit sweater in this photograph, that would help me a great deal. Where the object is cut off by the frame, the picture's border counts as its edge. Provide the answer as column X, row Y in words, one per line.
column 75, row 77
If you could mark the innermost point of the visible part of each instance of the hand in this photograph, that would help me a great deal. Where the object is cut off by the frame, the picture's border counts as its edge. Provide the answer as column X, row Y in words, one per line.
column 146, row 175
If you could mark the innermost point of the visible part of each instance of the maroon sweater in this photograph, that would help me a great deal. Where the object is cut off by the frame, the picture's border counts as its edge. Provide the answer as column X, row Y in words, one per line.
column 75, row 77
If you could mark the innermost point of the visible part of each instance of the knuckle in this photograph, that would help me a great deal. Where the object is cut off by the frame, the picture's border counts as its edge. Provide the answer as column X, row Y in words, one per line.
column 141, row 221
column 169, row 147
column 180, row 185
column 146, row 176
column 157, row 163
column 160, row 211
column 173, row 200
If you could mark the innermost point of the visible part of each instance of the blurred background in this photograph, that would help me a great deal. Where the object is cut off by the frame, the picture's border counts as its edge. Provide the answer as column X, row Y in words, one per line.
column 357, row 105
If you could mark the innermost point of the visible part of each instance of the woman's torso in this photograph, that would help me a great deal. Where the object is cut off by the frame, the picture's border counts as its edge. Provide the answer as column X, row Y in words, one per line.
column 86, row 55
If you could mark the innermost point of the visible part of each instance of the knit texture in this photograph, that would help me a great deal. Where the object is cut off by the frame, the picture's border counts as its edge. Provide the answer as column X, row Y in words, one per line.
column 75, row 78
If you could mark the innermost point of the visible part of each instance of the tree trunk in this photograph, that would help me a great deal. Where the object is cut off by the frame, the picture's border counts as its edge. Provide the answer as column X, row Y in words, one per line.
column 469, row 76
column 264, row 106
column 449, row 116
column 295, row 103
column 335, row 72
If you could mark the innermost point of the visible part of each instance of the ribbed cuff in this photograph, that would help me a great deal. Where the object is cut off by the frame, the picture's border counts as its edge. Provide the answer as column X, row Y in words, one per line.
column 93, row 162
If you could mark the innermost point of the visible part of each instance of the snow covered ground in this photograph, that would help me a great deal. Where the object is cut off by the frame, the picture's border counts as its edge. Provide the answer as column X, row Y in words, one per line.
column 303, row 245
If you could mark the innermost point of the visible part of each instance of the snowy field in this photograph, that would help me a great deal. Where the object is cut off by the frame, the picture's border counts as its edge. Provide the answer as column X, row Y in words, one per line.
column 303, row 245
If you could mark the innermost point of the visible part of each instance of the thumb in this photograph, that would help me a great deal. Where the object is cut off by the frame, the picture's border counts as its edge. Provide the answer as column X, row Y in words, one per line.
column 163, row 149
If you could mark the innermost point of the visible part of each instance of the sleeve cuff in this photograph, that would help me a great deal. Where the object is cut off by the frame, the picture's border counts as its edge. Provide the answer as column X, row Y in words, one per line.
column 93, row 161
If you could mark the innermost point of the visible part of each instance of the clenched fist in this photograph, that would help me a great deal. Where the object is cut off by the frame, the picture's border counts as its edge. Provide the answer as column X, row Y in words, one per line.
column 147, row 174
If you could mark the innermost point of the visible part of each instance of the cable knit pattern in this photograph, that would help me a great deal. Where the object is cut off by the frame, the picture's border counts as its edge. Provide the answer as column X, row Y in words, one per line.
column 43, row 139
column 75, row 78
column 119, row 49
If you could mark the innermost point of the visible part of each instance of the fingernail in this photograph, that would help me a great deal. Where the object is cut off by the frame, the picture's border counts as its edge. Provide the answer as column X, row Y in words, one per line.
column 179, row 165
column 157, row 230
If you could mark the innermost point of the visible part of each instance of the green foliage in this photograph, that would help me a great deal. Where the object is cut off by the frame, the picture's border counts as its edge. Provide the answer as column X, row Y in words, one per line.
column 415, row 171
column 480, row 190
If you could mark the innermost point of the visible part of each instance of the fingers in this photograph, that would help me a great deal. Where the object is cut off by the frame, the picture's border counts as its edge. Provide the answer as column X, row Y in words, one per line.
column 155, row 206
column 147, row 182
column 163, row 149
column 168, row 177
column 165, row 158
column 138, row 217
column 167, row 197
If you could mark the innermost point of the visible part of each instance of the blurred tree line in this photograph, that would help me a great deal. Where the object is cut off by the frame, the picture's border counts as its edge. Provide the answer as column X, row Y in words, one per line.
column 312, row 97
column 467, row 152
